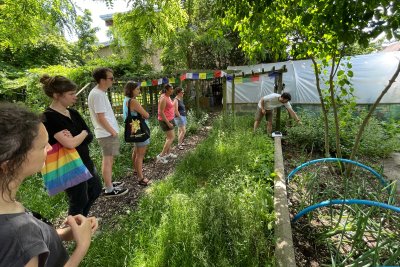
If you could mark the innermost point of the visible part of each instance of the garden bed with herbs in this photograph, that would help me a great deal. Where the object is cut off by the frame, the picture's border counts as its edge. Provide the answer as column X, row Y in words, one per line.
column 342, row 235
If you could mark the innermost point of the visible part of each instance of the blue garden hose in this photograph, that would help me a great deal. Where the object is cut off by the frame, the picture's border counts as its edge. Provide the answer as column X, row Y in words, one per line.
column 347, row 202
column 380, row 178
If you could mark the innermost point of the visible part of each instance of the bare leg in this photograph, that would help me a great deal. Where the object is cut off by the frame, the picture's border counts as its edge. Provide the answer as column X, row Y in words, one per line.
column 133, row 158
column 106, row 170
column 256, row 124
column 181, row 134
column 139, row 152
column 269, row 127
column 168, row 142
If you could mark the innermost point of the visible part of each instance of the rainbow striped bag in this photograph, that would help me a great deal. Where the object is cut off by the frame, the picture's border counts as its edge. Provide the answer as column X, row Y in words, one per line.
column 63, row 169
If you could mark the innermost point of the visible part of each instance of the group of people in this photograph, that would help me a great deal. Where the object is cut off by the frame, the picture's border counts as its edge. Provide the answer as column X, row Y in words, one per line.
column 27, row 138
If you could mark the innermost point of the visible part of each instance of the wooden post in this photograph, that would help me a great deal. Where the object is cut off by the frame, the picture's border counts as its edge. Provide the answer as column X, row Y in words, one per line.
column 233, row 94
column 224, row 106
column 278, row 82
column 197, row 86
column 144, row 97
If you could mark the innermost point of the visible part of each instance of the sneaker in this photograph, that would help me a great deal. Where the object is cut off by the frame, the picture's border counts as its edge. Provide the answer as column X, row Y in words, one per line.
column 116, row 184
column 171, row 155
column 180, row 147
column 116, row 192
column 162, row 159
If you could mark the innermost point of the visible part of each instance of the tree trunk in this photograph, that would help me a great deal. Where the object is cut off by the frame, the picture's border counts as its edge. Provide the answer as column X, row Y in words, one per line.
column 324, row 110
column 334, row 108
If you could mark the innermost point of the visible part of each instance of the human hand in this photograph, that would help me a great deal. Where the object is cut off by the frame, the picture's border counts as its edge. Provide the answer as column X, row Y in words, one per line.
column 67, row 133
column 94, row 224
column 263, row 111
column 170, row 125
column 81, row 228
column 114, row 134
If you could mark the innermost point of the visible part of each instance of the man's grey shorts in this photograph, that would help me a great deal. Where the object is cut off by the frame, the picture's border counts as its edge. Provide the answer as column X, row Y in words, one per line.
column 258, row 116
column 109, row 145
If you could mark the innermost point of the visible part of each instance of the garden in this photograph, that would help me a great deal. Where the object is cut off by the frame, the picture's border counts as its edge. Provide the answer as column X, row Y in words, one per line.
column 217, row 204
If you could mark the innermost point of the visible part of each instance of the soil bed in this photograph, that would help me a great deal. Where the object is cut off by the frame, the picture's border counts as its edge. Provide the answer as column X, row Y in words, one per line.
column 308, row 251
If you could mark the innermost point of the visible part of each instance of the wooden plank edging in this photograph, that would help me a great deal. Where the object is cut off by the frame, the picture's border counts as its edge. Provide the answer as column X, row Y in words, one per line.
column 284, row 250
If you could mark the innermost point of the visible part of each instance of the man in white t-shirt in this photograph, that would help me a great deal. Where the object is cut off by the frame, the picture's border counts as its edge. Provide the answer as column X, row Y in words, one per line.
column 267, row 104
column 105, row 128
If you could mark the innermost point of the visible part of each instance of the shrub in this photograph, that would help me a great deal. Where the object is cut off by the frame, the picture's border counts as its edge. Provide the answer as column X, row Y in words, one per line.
column 310, row 136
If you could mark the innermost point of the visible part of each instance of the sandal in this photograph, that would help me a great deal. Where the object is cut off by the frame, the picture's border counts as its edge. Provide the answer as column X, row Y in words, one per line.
column 144, row 182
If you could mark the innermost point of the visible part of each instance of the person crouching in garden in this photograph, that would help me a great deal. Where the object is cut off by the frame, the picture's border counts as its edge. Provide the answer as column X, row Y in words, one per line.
column 180, row 116
column 132, row 90
column 166, row 114
column 66, row 126
column 267, row 104
column 25, row 239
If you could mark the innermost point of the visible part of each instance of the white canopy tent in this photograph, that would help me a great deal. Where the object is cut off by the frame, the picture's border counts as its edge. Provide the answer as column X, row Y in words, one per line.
column 371, row 75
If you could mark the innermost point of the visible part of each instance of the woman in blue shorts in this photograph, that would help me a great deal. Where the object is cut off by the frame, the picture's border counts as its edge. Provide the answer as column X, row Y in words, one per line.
column 180, row 116
column 132, row 90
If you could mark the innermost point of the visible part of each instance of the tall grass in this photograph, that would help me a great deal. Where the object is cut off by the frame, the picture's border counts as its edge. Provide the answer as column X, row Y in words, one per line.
column 215, row 210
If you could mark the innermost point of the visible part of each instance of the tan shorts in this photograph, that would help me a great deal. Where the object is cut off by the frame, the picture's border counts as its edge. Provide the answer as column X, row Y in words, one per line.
column 268, row 115
column 109, row 145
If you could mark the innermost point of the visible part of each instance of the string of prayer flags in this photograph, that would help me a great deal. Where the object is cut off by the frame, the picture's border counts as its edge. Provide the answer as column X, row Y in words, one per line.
column 238, row 80
column 241, row 79
column 185, row 76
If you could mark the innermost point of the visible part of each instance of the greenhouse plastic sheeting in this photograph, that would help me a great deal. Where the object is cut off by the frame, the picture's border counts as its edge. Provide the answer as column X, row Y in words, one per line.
column 371, row 75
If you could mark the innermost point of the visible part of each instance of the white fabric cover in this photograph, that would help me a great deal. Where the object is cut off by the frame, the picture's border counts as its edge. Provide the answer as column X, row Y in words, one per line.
column 371, row 75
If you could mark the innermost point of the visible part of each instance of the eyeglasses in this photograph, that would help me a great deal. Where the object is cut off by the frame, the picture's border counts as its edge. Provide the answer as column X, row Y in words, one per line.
column 110, row 78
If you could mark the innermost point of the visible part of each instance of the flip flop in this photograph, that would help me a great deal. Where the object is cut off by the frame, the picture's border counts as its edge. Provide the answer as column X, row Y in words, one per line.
column 144, row 183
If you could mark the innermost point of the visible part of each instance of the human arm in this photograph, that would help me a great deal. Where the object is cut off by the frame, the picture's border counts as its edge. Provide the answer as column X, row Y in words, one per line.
column 177, row 114
column 33, row 262
column 65, row 138
column 81, row 229
column 294, row 115
column 66, row 233
column 135, row 105
column 101, row 118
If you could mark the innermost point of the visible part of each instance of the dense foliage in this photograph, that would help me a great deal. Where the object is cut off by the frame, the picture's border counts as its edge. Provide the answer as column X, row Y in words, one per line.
column 310, row 135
